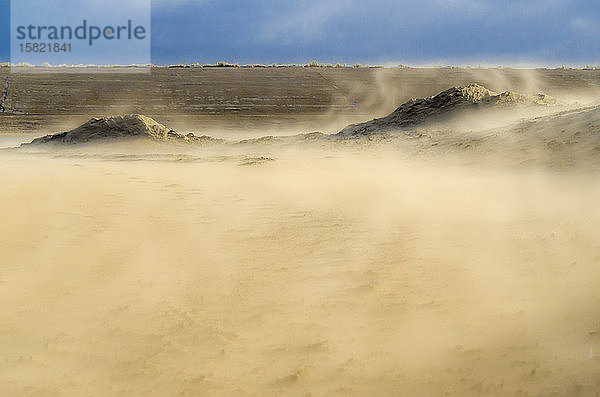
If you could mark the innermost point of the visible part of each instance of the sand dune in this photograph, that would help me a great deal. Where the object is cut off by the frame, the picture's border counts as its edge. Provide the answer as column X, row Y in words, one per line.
column 453, row 102
column 134, row 126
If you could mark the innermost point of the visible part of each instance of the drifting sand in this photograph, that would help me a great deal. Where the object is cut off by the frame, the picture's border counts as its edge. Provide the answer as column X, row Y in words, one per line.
column 455, row 260
column 324, row 272
column 445, row 105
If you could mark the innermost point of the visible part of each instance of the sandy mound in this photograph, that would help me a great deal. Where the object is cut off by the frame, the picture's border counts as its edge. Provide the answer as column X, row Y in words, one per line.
column 435, row 108
column 122, row 127
column 571, row 136
column 564, row 139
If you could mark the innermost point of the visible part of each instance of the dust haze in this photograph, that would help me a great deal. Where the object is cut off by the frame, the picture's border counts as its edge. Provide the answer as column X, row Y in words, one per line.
column 454, row 261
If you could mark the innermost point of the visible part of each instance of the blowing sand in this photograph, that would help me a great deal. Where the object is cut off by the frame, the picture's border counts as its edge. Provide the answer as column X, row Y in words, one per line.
column 338, row 272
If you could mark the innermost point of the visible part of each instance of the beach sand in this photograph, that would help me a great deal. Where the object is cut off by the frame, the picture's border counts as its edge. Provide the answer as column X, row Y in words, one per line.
column 343, row 272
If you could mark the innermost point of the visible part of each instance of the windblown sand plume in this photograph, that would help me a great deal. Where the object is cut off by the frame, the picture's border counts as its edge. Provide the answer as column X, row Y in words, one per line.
column 445, row 104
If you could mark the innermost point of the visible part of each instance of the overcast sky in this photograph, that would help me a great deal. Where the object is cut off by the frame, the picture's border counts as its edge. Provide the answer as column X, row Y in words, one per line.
column 532, row 32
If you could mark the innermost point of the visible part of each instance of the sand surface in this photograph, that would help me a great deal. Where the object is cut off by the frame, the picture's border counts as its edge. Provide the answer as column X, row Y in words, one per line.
column 324, row 272
column 457, row 260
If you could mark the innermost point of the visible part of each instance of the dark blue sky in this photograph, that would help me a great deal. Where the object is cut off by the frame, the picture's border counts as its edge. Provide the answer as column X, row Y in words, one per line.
column 534, row 32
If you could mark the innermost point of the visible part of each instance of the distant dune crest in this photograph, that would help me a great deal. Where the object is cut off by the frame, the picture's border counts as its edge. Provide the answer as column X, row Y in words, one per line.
column 420, row 111
column 120, row 127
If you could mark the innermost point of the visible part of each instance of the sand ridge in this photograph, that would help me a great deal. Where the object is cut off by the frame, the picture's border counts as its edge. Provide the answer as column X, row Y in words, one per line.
column 119, row 127
column 445, row 104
